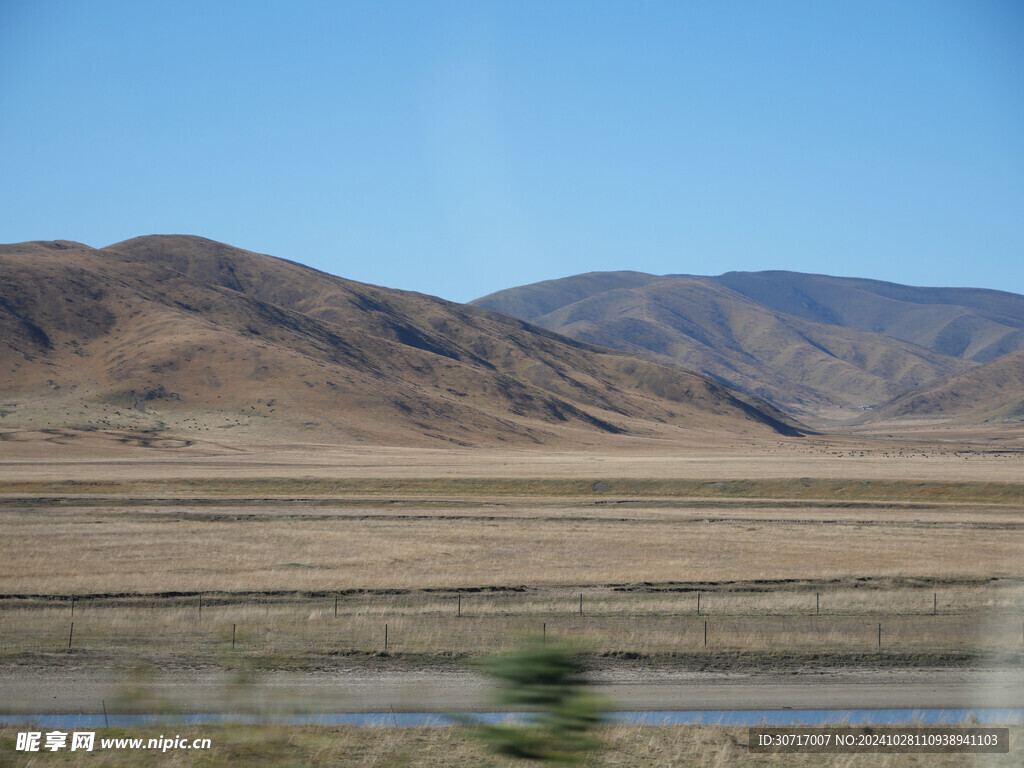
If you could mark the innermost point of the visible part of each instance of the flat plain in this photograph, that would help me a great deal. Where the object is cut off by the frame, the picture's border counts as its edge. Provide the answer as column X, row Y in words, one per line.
column 730, row 562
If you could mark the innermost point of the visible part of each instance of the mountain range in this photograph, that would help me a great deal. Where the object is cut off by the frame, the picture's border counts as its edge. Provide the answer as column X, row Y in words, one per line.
column 183, row 333
column 823, row 349
column 179, row 333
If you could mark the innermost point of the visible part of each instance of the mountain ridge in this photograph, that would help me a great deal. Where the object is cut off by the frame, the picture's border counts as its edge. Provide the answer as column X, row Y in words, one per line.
column 155, row 330
column 819, row 347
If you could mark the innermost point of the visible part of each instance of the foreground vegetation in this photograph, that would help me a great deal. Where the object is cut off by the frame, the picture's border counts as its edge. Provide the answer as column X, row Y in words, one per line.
column 276, row 746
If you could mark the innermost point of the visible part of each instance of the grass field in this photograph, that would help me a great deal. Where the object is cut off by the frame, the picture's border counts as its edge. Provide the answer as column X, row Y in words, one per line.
column 974, row 623
column 303, row 574
column 163, row 537
column 462, row 568
column 837, row 491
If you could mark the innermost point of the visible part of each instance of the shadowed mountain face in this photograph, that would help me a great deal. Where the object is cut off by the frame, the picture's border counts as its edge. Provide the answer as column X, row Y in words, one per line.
column 182, row 330
column 816, row 346
column 992, row 392
column 969, row 323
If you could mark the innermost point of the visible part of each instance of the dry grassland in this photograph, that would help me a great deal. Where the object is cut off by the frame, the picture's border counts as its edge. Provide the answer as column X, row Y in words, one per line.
column 322, row 491
column 936, row 453
column 113, row 549
column 270, row 536
column 970, row 624
column 271, row 555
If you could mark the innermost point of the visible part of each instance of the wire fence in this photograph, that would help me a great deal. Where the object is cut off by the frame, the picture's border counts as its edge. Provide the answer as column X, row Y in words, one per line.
column 969, row 620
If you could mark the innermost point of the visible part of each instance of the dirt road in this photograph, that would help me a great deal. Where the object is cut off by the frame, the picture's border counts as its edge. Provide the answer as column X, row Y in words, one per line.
column 78, row 691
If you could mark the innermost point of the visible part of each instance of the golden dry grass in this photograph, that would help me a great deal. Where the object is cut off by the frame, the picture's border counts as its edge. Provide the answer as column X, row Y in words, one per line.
column 838, row 492
column 270, row 554
column 969, row 623
column 189, row 549
column 932, row 453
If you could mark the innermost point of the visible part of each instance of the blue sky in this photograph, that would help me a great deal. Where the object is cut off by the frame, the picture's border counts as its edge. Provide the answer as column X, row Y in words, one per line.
column 460, row 148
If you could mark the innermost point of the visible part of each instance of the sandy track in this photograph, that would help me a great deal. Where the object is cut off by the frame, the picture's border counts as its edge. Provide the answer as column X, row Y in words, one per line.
column 76, row 691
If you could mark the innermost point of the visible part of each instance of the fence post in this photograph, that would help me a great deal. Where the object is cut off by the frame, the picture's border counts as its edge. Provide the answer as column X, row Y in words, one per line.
column 460, row 604
column 335, row 606
column 72, row 606
column 581, row 603
column 935, row 604
column 200, row 607
column 879, row 635
column 705, row 632
column 544, row 634
column 71, row 634
column 698, row 603
column 233, row 636
column 817, row 603
column 385, row 638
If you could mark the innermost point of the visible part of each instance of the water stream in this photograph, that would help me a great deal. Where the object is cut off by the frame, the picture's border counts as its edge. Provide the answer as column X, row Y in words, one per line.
column 748, row 717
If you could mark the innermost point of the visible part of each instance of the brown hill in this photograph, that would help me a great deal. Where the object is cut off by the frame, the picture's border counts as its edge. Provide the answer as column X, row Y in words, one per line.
column 970, row 323
column 805, row 366
column 993, row 392
column 182, row 332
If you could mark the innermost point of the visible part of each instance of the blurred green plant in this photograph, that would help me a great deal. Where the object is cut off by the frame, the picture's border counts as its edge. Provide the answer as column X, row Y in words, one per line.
column 548, row 680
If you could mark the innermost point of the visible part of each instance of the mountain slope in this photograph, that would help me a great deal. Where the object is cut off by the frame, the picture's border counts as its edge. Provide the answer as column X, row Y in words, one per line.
column 993, row 392
column 185, row 331
column 970, row 323
column 798, row 361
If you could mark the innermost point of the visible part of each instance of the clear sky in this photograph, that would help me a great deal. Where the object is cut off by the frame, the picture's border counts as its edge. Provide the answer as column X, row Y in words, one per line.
column 458, row 148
